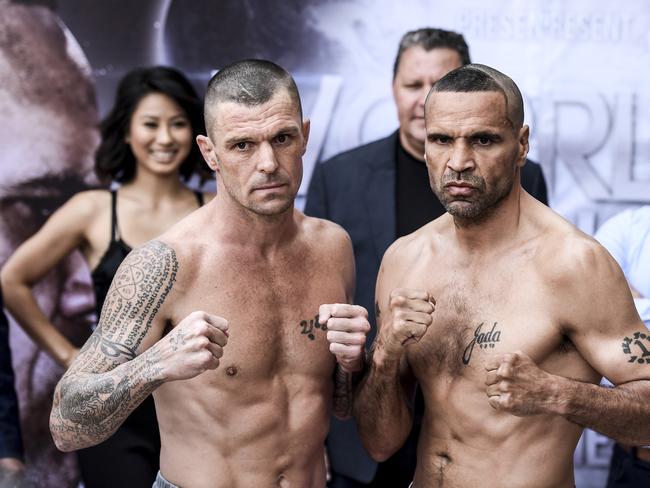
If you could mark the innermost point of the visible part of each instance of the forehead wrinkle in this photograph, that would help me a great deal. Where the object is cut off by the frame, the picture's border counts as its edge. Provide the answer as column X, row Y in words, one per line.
column 258, row 122
column 461, row 109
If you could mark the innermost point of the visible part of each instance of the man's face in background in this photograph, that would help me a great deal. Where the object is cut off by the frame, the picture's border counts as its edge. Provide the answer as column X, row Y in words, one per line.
column 418, row 70
column 48, row 134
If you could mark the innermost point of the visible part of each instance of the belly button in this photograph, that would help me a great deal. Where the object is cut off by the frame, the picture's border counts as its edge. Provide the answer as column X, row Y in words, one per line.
column 231, row 370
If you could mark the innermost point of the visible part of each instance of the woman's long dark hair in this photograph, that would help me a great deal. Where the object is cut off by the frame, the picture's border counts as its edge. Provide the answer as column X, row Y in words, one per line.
column 114, row 160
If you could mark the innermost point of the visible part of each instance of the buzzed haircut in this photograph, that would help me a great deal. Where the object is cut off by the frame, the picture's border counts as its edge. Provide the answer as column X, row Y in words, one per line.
column 249, row 82
column 481, row 78
column 429, row 38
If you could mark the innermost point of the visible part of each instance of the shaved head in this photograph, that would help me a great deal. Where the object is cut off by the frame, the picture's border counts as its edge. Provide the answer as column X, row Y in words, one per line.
column 481, row 78
column 249, row 82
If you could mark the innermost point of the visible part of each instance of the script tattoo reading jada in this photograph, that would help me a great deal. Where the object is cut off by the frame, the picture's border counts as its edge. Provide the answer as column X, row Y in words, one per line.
column 94, row 400
column 483, row 339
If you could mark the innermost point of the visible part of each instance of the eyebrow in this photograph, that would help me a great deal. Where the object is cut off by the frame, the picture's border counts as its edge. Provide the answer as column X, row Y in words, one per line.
column 151, row 116
column 482, row 133
column 486, row 133
column 290, row 130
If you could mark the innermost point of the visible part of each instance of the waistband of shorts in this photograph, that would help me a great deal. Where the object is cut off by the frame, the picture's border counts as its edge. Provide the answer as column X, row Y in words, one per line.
column 161, row 482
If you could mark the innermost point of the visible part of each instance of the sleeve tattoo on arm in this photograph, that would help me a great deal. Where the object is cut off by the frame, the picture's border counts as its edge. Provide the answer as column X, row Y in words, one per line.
column 93, row 400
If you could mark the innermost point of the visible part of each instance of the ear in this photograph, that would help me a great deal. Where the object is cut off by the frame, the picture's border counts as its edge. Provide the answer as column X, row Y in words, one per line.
column 523, row 145
column 207, row 150
column 306, row 127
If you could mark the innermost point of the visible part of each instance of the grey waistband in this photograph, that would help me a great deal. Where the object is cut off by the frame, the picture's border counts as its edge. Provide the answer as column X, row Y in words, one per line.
column 161, row 482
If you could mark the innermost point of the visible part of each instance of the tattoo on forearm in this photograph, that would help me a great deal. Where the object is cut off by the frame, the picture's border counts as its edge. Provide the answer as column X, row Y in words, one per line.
column 342, row 393
column 483, row 339
column 637, row 348
column 93, row 398
column 308, row 327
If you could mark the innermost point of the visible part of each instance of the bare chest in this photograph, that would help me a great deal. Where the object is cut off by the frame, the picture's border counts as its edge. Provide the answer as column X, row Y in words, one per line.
column 480, row 315
column 272, row 315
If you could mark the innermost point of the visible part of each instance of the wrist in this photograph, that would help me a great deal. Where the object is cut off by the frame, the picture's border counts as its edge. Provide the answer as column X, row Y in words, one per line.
column 352, row 367
column 67, row 358
column 383, row 358
column 559, row 396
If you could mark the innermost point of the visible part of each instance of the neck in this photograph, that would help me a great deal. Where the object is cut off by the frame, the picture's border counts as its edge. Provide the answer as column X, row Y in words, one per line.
column 497, row 227
column 261, row 234
column 414, row 148
column 155, row 188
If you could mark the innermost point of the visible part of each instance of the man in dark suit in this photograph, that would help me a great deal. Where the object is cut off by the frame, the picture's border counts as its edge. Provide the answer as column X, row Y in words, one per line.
column 11, row 446
column 380, row 192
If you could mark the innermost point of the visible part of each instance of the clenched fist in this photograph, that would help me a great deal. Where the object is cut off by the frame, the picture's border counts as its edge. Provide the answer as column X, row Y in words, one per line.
column 347, row 326
column 409, row 316
column 192, row 347
column 515, row 384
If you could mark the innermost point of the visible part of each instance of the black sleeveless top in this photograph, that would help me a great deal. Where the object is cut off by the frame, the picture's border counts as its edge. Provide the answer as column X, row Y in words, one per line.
column 117, row 250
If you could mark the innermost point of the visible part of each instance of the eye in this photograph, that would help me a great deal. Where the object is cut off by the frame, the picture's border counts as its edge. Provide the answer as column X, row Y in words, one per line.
column 151, row 125
column 180, row 124
column 241, row 145
column 282, row 138
column 484, row 140
column 440, row 139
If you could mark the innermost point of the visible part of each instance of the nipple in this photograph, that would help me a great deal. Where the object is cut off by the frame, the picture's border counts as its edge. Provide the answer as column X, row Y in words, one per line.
column 283, row 482
column 231, row 370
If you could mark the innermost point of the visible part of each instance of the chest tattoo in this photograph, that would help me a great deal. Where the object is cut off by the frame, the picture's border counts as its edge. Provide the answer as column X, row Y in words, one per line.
column 308, row 328
column 484, row 340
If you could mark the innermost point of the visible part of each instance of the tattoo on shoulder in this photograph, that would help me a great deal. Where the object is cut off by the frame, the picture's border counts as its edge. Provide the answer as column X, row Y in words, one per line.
column 139, row 288
column 637, row 348
column 484, row 340
column 308, row 328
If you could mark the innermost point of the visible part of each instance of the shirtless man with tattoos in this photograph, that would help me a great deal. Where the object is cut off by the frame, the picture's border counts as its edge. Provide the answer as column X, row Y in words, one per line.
column 222, row 316
column 529, row 313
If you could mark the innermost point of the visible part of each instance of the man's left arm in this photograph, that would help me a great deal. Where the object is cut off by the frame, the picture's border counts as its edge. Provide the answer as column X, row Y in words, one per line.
column 347, row 326
column 605, row 328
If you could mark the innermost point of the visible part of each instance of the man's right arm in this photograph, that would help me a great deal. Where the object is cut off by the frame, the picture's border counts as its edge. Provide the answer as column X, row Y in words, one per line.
column 382, row 407
column 112, row 375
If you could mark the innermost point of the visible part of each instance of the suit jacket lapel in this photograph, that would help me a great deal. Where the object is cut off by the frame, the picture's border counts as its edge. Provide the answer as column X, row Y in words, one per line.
column 380, row 194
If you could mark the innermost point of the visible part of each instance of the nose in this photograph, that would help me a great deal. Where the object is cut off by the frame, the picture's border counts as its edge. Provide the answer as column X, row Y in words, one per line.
column 461, row 157
column 164, row 134
column 267, row 162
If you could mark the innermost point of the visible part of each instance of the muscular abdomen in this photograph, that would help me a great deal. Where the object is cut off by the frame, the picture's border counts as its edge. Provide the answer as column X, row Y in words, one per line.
column 266, row 433
column 465, row 443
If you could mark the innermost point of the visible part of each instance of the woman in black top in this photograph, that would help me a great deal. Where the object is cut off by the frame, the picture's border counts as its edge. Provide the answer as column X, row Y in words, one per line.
column 147, row 148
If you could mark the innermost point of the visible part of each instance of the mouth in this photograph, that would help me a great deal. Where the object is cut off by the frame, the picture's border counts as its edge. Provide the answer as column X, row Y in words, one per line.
column 163, row 156
column 270, row 186
column 459, row 188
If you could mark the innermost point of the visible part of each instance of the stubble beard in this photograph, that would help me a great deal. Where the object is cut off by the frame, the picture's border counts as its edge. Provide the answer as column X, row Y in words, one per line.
column 475, row 208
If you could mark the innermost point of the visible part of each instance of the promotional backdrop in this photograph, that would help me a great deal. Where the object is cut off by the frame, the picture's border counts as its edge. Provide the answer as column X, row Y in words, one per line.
column 582, row 66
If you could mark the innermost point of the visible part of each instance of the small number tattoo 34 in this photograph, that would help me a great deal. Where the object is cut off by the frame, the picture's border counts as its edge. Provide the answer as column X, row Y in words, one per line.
column 308, row 327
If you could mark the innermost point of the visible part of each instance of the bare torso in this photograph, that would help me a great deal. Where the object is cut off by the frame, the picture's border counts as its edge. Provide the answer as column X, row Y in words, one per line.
column 489, row 304
column 261, row 418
